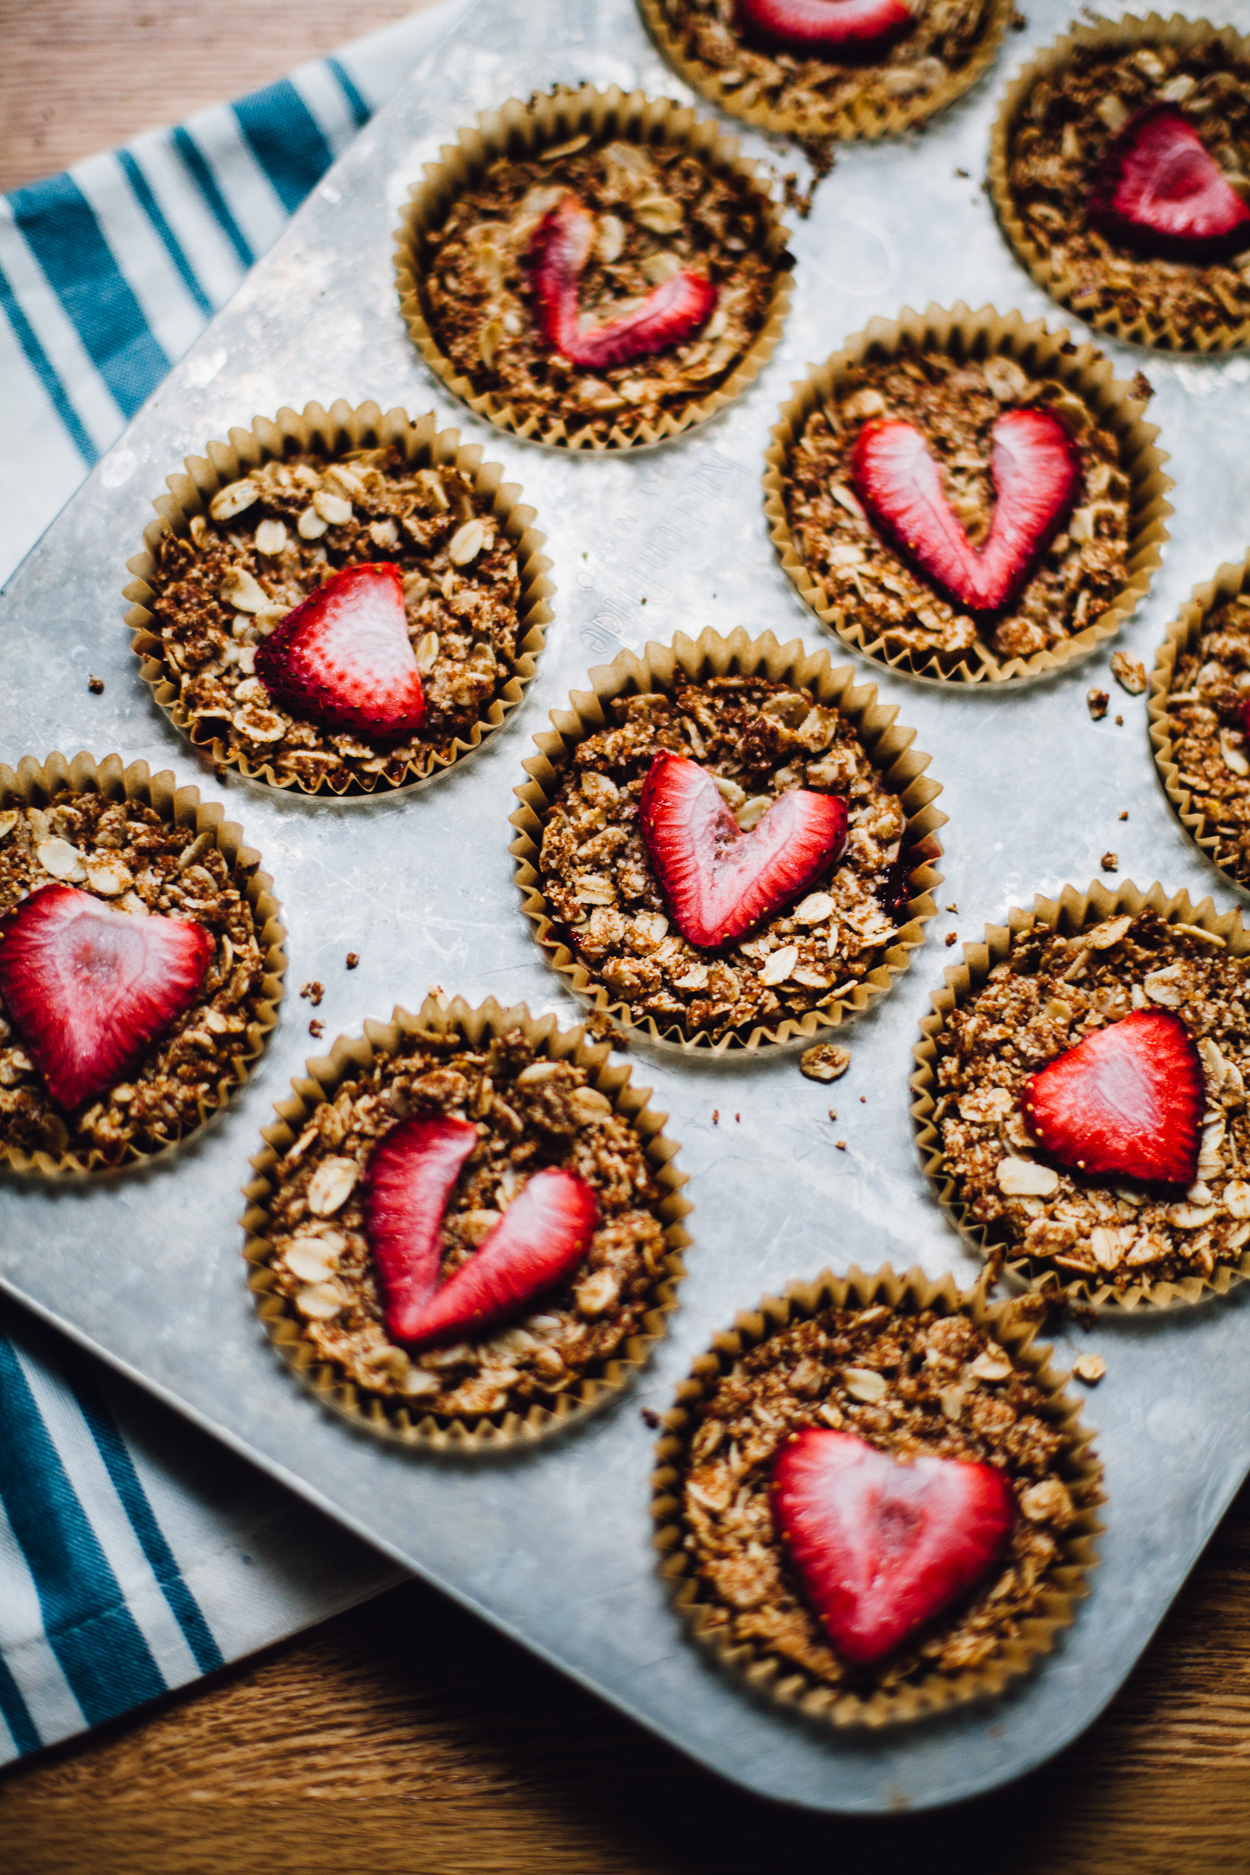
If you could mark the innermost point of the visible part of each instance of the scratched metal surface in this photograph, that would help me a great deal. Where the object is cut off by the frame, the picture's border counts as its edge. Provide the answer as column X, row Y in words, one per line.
column 553, row 1547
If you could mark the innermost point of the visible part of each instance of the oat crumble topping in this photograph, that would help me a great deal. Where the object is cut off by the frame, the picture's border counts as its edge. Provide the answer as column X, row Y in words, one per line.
column 1071, row 118
column 530, row 1112
column 1045, row 998
column 279, row 533
column 1206, row 717
column 658, row 209
column 908, row 1385
column 124, row 853
column 954, row 404
column 758, row 738
column 813, row 91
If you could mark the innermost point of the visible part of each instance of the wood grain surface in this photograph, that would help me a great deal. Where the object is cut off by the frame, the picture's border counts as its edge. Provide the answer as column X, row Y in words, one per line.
column 405, row 1738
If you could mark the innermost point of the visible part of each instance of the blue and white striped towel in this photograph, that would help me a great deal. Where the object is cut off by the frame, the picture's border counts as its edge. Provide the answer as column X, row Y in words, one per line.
column 135, row 1554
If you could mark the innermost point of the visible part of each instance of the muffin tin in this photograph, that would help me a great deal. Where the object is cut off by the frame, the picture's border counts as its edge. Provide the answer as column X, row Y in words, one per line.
column 553, row 1546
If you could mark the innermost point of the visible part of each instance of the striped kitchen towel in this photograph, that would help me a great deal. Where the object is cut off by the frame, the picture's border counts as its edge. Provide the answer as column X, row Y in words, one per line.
column 135, row 1554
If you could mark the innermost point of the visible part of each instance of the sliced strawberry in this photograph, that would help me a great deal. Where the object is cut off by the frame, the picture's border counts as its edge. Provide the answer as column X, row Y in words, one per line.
column 343, row 658
column 718, row 880
column 1126, row 1102
column 410, row 1178
column 90, row 988
column 544, row 1233
column 824, row 25
column 1036, row 470
column 558, row 255
column 1158, row 188
column 882, row 1547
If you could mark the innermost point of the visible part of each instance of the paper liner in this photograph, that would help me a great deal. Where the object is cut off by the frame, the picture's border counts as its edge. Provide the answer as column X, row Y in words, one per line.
column 856, row 122
column 889, row 749
column 392, row 1418
column 1183, row 635
column 1042, row 354
column 1072, row 911
column 799, row 1689
column 1148, row 328
column 33, row 784
column 549, row 120
column 340, row 429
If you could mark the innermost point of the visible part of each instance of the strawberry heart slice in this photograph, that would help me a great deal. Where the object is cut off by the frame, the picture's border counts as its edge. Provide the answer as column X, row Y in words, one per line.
column 824, row 25
column 89, row 987
column 1127, row 1101
column 1157, row 187
column 718, row 880
column 543, row 1234
column 882, row 1547
column 343, row 656
column 558, row 255
column 1036, row 471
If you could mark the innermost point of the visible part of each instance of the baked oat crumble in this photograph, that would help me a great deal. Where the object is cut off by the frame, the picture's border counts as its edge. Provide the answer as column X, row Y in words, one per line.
column 274, row 537
column 758, row 738
column 908, row 1384
column 124, row 853
column 954, row 403
column 1071, row 118
column 530, row 1112
column 814, row 91
column 1206, row 714
column 1046, row 997
column 658, row 209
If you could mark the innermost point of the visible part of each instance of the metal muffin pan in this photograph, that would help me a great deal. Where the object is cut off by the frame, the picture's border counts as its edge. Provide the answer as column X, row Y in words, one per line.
column 553, row 1546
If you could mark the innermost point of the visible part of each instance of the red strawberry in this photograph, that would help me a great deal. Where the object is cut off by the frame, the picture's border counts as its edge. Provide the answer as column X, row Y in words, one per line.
column 542, row 1235
column 824, row 25
column 89, row 987
column 718, row 880
column 411, row 1175
column 1126, row 1102
column 558, row 254
column 343, row 658
column 882, row 1547
column 1158, row 188
column 1036, row 469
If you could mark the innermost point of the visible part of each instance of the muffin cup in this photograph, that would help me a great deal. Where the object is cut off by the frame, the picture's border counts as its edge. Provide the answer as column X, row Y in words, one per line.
column 337, row 431
column 544, row 122
column 33, row 784
column 392, row 1419
column 1183, row 635
column 889, row 748
column 1014, row 1329
column 964, row 334
column 857, row 122
column 1114, row 35
column 1072, row 911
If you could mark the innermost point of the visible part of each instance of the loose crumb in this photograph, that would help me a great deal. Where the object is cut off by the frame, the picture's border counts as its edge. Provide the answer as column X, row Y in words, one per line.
column 952, row 907
column 952, row 937
column 1090, row 1368
column 353, row 958
column 826, row 1062
column 715, row 1116
column 1144, row 388
column 650, row 1417
column 1110, row 862
column 1097, row 701
column 314, row 991
column 833, row 1113
column 1129, row 673
column 1124, row 815
column 96, row 686
column 840, row 1144
column 1119, row 722
column 316, row 1029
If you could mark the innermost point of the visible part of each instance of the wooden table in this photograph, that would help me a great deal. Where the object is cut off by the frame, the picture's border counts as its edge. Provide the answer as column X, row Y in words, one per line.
column 405, row 1738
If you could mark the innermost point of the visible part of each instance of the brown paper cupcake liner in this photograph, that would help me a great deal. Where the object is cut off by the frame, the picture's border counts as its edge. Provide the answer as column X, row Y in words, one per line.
column 889, row 749
column 1148, row 328
column 1072, row 911
column 334, row 433
column 392, row 1419
column 545, row 122
column 965, row 334
column 1183, row 635
column 862, row 119
column 800, row 1690
column 33, row 784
